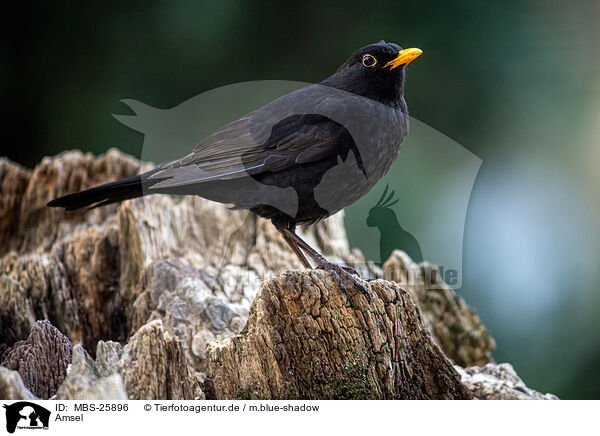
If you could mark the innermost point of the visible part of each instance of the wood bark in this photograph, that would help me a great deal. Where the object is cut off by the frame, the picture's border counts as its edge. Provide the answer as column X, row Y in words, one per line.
column 41, row 360
column 305, row 340
column 167, row 297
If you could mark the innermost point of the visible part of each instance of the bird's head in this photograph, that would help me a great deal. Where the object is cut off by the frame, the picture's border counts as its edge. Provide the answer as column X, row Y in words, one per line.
column 375, row 71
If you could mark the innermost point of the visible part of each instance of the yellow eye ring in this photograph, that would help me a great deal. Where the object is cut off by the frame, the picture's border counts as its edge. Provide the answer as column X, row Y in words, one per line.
column 369, row 61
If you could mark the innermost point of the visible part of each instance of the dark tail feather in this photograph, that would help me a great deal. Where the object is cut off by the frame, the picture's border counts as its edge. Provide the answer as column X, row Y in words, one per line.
column 103, row 194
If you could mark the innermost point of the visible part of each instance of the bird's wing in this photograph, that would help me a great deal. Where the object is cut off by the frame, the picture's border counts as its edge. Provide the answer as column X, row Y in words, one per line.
column 255, row 144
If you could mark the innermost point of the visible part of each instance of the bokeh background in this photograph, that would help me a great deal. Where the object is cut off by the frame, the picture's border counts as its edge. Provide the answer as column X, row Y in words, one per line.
column 516, row 83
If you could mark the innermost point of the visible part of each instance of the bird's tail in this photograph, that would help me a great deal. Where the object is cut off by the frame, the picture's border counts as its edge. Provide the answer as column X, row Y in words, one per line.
column 102, row 195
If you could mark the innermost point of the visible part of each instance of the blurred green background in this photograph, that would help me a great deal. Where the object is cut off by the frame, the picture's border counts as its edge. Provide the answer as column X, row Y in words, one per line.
column 517, row 83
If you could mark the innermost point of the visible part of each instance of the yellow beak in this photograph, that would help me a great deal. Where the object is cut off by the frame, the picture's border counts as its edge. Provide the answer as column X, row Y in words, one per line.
column 405, row 57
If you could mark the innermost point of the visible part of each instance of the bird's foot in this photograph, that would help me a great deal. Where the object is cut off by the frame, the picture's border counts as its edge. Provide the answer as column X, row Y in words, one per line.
column 350, row 270
column 345, row 274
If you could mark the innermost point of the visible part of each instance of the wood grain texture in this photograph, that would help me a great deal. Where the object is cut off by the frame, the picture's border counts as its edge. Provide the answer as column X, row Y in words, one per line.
column 180, row 297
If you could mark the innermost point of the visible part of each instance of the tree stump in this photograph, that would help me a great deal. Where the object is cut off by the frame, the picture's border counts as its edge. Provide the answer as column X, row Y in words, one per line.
column 162, row 298
column 305, row 340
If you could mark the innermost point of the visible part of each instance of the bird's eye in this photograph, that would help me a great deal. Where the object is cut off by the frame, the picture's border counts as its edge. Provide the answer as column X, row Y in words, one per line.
column 369, row 61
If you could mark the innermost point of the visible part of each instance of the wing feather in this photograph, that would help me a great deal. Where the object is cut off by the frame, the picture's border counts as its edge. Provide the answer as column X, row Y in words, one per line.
column 256, row 143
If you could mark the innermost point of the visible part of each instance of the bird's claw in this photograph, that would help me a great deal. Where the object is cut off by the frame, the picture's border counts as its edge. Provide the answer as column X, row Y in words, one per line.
column 350, row 269
column 349, row 274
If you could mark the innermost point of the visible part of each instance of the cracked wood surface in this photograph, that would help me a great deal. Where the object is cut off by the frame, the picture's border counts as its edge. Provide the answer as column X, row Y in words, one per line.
column 305, row 340
column 172, row 287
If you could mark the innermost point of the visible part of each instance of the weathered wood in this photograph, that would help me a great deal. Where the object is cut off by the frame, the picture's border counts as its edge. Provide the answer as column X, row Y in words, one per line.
column 174, row 281
column 498, row 382
column 151, row 366
column 41, row 360
column 455, row 326
column 305, row 340
column 12, row 386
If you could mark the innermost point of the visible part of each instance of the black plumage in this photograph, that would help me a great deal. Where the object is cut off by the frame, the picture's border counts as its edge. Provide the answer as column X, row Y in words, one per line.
column 296, row 160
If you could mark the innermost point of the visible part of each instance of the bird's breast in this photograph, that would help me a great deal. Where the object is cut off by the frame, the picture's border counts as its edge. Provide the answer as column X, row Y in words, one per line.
column 377, row 145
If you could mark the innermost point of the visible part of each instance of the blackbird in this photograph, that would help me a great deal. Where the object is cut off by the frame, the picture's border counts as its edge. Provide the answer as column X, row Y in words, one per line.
column 296, row 160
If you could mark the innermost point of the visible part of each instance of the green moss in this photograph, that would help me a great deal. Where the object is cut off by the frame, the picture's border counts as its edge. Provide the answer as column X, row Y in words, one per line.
column 246, row 394
column 352, row 384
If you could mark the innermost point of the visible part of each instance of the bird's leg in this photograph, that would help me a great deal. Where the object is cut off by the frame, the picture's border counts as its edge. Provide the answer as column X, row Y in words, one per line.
column 337, row 271
column 294, row 248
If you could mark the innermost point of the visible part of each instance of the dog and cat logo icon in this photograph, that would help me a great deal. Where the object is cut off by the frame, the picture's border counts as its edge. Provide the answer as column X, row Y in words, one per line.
column 26, row 415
